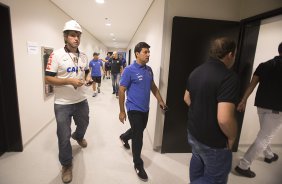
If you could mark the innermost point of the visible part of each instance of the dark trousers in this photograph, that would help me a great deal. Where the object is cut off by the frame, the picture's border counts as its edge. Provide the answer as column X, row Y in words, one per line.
column 138, row 122
column 209, row 165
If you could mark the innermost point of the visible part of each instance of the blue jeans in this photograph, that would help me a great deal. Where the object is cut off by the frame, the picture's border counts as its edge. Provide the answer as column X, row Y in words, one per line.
column 209, row 165
column 115, row 82
column 64, row 113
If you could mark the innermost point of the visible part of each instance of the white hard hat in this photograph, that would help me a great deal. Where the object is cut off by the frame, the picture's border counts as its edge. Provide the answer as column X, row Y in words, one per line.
column 72, row 25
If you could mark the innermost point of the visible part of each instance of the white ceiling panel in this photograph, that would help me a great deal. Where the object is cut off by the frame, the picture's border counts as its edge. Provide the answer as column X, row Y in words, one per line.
column 124, row 16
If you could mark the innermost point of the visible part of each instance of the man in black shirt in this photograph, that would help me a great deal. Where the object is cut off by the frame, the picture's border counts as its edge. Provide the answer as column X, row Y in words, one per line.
column 269, row 107
column 116, row 70
column 211, row 94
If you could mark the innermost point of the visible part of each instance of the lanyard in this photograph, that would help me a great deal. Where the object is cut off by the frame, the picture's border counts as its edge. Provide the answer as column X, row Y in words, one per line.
column 74, row 59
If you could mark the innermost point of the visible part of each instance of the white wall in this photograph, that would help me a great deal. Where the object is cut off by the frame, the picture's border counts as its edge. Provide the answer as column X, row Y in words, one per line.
column 42, row 22
column 269, row 38
column 151, row 31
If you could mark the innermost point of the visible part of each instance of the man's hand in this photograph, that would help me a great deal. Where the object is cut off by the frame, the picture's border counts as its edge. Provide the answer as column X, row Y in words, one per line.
column 163, row 106
column 88, row 83
column 122, row 117
column 76, row 82
column 241, row 106
column 230, row 143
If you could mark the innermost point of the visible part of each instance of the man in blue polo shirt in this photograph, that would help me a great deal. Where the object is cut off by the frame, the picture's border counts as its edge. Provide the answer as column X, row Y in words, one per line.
column 123, row 60
column 96, row 66
column 137, row 81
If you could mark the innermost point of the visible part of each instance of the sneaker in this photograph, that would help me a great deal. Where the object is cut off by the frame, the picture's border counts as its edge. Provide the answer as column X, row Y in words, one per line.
column 141, row 173
column 67, row 173
column 94, row 94
column 245, row 172
column 99, row 90
column 274, row 158
column 82, row 142
column 124, row 142
column 114, row 92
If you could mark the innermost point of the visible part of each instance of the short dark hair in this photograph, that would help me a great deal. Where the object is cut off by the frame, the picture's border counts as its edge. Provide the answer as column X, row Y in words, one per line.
column 139, row 47
column 280, row 48
column 220, row 47
column 96, row 54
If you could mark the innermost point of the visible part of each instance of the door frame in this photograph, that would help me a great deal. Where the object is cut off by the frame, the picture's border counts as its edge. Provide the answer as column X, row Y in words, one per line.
column 246, row 52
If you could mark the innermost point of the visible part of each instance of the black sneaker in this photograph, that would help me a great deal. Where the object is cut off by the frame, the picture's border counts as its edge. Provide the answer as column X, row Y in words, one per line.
column 124, row 142
column 245, row 172
column 114, row 92
column 274, row 158
column 141, row 173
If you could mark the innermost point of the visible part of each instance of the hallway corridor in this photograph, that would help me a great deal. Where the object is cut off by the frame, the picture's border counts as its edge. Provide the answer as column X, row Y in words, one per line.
column 105, row 161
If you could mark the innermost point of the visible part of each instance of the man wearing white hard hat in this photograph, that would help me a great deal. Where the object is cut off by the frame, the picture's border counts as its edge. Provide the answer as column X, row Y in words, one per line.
column 67, row 70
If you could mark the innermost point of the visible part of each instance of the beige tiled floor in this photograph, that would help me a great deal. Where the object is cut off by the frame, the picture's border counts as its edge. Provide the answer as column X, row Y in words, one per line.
column 104, row 161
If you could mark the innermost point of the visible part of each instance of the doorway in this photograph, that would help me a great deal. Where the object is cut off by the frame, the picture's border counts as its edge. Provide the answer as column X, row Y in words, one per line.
column 190, row 39
column 189, row 42
column 10, row 130
column 129, row 57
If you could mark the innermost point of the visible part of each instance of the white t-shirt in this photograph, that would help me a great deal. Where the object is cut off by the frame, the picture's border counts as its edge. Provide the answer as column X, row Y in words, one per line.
column 66, row 65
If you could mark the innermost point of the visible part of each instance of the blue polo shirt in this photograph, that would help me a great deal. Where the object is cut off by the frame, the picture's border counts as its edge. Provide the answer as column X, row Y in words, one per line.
column 137, row 79
column 95, row 66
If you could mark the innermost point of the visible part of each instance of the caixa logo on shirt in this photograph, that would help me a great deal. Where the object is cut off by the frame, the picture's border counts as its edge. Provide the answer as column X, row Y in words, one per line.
column 75, row 69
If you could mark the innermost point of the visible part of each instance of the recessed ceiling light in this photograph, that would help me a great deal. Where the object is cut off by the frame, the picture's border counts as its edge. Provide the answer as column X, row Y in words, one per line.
column 108, row 22
column 114, row 39
column 100, row 1
column 112, row 34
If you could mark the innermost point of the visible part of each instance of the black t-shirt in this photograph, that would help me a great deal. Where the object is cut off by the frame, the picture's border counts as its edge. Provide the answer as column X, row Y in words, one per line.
column 269, row 92
column 115, row 65
column 209, row 84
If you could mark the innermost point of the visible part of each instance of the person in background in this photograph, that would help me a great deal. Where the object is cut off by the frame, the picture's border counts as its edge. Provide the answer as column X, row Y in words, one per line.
column 96, row 68
column 137, row 81
column 212, row 94
column 107, row 73
column 116, row 70
column 269, row 108
column 67, row 70
column 123, row 61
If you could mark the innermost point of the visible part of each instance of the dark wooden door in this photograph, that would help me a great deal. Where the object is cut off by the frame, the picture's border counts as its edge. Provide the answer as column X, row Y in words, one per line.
column 189, row 48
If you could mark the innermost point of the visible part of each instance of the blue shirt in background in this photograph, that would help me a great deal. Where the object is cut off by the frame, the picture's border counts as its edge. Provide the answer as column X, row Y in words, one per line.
column 123, row 61
column 137, row 79
column 95, row 66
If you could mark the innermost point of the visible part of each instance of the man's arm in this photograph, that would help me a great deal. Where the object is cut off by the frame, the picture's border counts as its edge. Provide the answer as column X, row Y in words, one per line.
column 227, row 122
column 88, row 75
column 121, row 69
column 53, row 80
column 104, row 60
column 242, row 105
column 157, row 94
column 187, row 98
column 121, row 94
